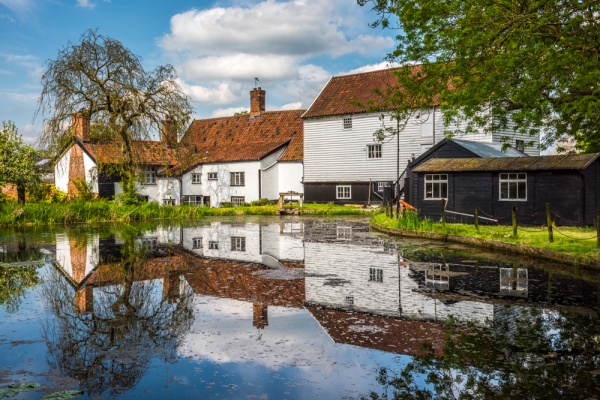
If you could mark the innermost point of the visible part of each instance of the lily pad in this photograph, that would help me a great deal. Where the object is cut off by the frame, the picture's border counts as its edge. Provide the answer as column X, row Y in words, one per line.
column 13, row 390
column 63, row 395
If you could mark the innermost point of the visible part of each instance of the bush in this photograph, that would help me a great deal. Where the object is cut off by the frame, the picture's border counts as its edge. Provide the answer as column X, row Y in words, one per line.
column 262, row 202
column 226, row 204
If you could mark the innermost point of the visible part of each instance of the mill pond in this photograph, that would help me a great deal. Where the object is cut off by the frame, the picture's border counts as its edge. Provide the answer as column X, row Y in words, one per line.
column 290, row 308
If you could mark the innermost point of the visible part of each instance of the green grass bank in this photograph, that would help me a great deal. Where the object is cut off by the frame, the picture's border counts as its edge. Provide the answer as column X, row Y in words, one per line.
column 572, row 245
column 77, row 212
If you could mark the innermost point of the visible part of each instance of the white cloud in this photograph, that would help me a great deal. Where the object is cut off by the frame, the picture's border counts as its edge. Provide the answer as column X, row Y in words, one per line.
column 228, row 112
column 371, row 67
column 86, row 4
column 19, row 7
column 292, row 106
column 221, row 94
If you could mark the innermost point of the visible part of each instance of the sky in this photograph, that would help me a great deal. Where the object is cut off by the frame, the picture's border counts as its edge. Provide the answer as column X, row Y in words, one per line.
column 217, row 47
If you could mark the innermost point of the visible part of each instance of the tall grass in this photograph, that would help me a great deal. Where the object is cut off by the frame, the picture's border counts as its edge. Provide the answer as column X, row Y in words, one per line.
column 78, row 211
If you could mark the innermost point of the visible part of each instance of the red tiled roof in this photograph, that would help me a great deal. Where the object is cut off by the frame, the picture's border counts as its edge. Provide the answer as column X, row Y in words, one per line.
column 352, row 94
column 146, row 152
column 244, row 138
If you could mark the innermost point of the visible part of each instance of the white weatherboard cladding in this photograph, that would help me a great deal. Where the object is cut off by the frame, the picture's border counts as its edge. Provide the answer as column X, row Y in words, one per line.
column 510, row 133
column 61, row 172
column 348, row 265
column 220, row 190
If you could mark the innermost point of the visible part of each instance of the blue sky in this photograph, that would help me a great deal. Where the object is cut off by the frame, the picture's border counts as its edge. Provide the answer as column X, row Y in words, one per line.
column 217, row 47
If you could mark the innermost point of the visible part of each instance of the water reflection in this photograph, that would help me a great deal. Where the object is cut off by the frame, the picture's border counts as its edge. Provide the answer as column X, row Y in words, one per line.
column 321, row 302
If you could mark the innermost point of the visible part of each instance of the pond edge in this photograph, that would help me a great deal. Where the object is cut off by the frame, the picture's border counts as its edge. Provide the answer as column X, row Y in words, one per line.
column 548, row 255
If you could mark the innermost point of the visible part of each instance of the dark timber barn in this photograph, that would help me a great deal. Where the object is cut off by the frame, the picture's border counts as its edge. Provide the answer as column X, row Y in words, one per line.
column 493, row 185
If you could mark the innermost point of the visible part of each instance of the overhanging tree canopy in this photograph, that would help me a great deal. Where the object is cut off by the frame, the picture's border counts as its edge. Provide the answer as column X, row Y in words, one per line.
column 537, row 61
column 106, row 82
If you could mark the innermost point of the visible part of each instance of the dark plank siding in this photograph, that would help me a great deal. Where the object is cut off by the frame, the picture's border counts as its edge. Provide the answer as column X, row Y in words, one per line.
column 326, row 192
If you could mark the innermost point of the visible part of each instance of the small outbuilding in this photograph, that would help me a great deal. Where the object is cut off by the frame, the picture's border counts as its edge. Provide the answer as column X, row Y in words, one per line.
column 569, row 183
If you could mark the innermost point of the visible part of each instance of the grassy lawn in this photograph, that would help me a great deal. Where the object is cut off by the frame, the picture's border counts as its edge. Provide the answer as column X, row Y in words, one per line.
column 576, row 241
column 74, row 212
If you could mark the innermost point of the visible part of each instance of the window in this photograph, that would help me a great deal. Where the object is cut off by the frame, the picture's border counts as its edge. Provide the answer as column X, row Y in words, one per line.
column 150, row 244
column 149, row 177
column 213, row 245
column 374, row 151
column 343, row 192
column 197, row 243
column 196, row 178
column 349, row 301
column 238, row 243
column 347, row 122
column 344, row 232
column 436, row 186
column 168, row 202
column 375, row 275
column 237, row 200
column 212, row 176
column 513, row 186
column 238, row 179
column 192, row 200
column 520, row 145
column 380, row 186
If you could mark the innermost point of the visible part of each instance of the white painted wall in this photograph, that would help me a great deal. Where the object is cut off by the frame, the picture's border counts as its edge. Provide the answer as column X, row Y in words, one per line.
column 270, row 182
column 61, row 172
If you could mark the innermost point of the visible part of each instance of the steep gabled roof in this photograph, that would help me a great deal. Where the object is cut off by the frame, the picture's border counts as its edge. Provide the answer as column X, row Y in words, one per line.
column 244, row 138
column 517, row 164
column 147, row 152
column 351, row 94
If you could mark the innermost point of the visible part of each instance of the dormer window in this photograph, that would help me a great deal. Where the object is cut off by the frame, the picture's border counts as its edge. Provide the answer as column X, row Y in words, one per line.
column 347, row 122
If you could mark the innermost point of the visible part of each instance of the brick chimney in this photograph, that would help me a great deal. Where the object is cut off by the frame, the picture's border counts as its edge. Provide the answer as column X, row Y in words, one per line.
column 257, row 102
column 169, row 132
column 81, row 126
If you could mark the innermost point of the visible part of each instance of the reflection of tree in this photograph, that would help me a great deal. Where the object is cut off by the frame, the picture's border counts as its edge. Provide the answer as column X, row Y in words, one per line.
column 523, row 354
column 14, row 282
column 109, row 348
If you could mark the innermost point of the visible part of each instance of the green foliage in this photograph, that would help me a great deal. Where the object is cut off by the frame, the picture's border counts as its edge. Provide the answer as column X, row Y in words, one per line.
column 14, row 390
column 17, row 160
column 485, row 62
column 14, row 283
column 47, row 193
column 226, row 204
column 262, row 202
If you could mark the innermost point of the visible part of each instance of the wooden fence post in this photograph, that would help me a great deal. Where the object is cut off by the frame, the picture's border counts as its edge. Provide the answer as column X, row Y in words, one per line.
column 549, row 222
column 514, row 220
column 443, row 211
column 598, row 228
column 476, row 219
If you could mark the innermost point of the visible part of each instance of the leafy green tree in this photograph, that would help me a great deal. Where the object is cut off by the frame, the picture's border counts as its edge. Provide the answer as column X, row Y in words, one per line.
column 106, row 82
column 17, row 161
column 488, row 61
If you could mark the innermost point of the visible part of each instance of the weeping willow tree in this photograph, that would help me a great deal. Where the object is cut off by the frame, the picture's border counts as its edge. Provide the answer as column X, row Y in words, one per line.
column 104, row 81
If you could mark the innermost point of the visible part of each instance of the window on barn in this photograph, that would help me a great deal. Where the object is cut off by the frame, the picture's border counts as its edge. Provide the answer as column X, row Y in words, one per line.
column 513, row 186
column 149, row 177
column 436, row 186
column 347, row 122
column 343, row 192
column 196, row 178
column 374, row 151
column 238, row 179
column 380, row 186
column 375, row 275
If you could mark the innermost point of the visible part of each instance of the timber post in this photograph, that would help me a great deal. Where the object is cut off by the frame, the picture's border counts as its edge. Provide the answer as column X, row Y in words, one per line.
column 549, row 223
column 514, row 220
column 476, row 214
column 598, row 228
column 443, row 211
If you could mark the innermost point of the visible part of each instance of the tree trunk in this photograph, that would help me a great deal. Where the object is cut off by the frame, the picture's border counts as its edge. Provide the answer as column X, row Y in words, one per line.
column 21, row 194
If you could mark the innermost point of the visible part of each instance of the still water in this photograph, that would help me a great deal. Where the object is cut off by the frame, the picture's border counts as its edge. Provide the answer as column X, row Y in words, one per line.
column 291, row 308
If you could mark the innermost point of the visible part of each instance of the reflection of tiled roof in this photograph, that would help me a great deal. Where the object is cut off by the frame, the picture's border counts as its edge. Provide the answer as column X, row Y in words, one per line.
column 146, row 152
column 381, row 333
column 244, row 138
column 351, row 94
column 538, row 163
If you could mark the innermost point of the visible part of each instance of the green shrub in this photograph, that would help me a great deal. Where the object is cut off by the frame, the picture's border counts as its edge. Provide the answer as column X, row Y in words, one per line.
column 226, row 204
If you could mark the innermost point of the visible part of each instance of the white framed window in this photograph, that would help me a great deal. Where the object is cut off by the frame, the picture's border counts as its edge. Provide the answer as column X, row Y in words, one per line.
column 349, row 300
column 197, row 243
column 150, row 244
column 196, row 178
column 192, row 200
column 213, row 245
column 344, row 232
column 347, row 123
column 212, row 176
column 513, row 186
column 343, row 192
column 380, row 186
column 149, row 177
column 237, row 200
column 436, row 186
column 168, row 202
column 520, row 145
column 238, row 243
column 375, row 275
column 238, row 179
column 374, row 151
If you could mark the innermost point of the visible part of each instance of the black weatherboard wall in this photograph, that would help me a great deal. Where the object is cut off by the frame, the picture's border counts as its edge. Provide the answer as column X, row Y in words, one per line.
column 568, row 183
